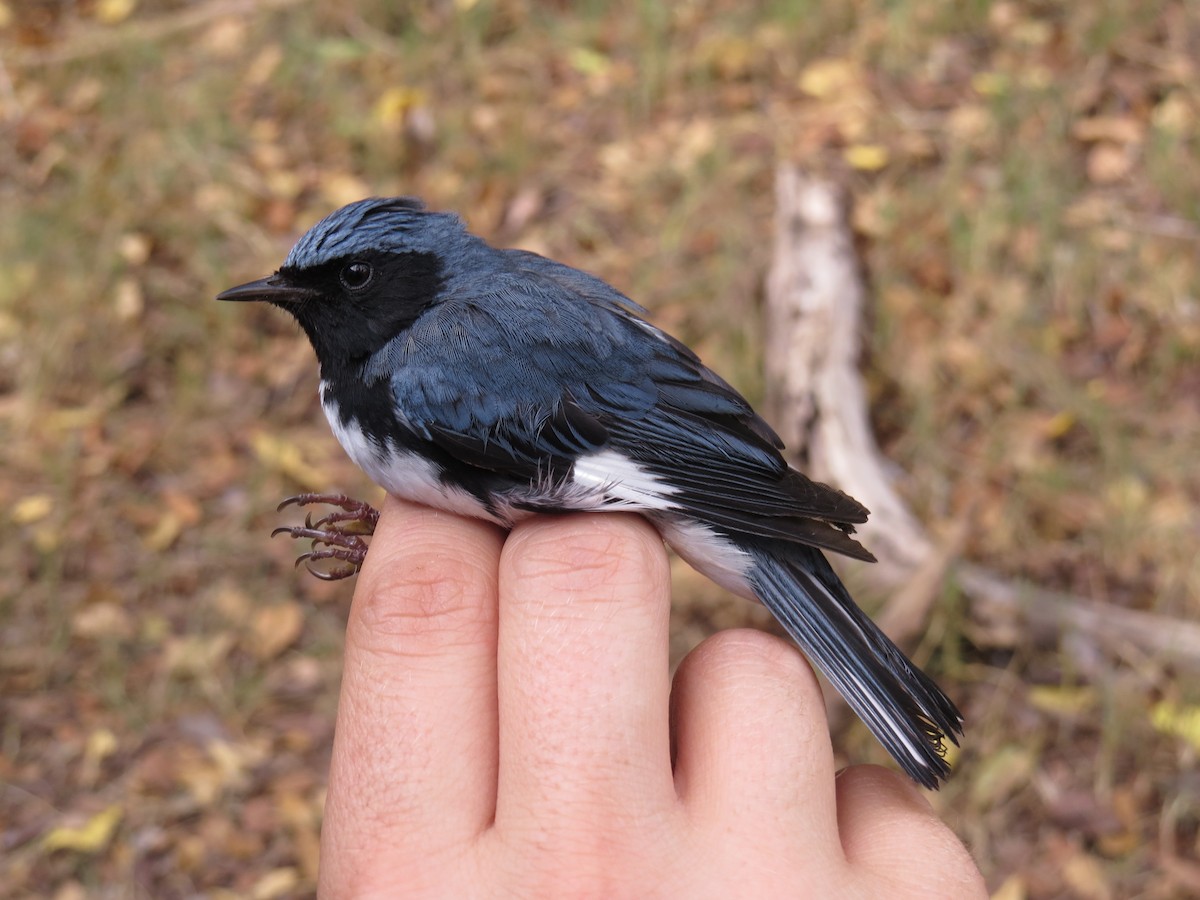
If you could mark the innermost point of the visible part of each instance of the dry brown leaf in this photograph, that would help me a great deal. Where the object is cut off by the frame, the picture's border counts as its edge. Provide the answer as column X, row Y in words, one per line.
column 233, row 603
column 275, row 628
column 165, row 533
column 1108, row 162
column 340, row 188
column 196, row 655
column 128, row 300
column 226, row 37
column 1117, row 129
column 1086, row 877
column 101, row 620
column 1004, row 772
column 134, row 248
column 284, row 456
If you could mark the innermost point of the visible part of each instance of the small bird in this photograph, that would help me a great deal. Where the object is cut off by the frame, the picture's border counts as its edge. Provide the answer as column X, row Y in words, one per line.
column 498, row 384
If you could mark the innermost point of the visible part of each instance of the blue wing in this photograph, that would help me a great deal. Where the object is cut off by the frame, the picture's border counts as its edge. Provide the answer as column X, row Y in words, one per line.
column 563, row 366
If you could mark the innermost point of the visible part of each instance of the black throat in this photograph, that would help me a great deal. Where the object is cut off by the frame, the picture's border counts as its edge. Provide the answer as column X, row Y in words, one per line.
column 347, row 327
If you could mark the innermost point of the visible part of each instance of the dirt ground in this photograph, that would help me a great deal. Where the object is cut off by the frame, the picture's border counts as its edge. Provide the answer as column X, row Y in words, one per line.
column 1026, row 180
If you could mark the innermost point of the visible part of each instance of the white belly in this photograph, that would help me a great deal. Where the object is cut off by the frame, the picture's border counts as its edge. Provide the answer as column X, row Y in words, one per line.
column 407, row 475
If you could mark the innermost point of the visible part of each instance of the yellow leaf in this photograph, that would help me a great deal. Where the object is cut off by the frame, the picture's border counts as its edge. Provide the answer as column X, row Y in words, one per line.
column 228, row 761
column 1173, row 114
column 91, row 837
column 1013, row 888
column 394, row 103
column 101, row 744
column 6, row 15
column 32, row 509
column 1062, row 700
column 587, row 61
column 276, row 883
column 827, row 77
column 1059, row 424
column 1036, row 32
column 165, row 533
column 285, row 457
column 10, row 325
column 989, row 84
column 111, row 12
column 1128, row 494
column 866, row 157
column 71, row 418
column 1179, row 721
column 284, row 183
column 153, row 627
column 46, row 539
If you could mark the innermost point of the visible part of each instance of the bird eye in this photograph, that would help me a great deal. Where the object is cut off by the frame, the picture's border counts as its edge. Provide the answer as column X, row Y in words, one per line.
column 356, row 275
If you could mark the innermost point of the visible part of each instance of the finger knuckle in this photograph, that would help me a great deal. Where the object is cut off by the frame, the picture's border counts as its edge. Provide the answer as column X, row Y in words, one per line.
column 744, row 650
column 587, row 551
column 428, row 595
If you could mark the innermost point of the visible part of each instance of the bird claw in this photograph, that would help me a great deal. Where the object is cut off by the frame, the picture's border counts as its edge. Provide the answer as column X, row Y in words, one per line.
column 338, row 535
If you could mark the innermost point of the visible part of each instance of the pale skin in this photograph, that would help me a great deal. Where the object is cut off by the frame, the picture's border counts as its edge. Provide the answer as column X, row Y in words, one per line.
column 508, row 728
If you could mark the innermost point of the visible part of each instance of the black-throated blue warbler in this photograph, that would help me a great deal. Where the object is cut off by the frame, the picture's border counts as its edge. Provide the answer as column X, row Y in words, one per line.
column 498, row 383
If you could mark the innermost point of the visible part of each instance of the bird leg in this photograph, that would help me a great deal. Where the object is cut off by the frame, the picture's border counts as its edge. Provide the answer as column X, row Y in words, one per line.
column 338, row 535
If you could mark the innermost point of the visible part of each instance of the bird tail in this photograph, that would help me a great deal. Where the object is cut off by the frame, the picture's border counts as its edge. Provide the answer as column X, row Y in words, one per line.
column 902, row 706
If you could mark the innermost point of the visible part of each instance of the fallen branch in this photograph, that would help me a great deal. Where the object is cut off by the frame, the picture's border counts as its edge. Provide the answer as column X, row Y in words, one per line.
column 815, row 300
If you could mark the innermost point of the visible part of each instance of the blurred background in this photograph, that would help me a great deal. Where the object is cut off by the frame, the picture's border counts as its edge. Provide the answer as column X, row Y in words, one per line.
column 1026, row 181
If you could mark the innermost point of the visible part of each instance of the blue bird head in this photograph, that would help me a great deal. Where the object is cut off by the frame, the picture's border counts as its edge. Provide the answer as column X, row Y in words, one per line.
column 365, row 272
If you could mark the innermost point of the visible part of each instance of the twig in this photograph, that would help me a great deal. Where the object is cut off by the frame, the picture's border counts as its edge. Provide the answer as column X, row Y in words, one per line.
column 815, row 298
column 1048, row 613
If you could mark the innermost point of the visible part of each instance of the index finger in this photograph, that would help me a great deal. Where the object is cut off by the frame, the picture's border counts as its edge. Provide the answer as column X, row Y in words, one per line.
column 414, row 758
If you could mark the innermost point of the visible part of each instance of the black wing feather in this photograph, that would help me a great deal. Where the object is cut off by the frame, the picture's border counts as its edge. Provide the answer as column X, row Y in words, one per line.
column 602, row 377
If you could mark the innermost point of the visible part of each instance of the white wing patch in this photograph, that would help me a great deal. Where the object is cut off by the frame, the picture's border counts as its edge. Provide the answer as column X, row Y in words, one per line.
column 615, row 477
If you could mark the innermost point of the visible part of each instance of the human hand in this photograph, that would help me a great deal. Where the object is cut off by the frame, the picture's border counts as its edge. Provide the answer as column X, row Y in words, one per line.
column 508, row 727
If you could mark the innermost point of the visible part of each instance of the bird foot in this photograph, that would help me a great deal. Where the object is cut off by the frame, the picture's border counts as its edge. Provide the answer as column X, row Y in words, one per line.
column 337, row 536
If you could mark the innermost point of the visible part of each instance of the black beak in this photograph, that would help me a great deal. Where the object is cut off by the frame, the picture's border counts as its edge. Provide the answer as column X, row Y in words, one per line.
column 272, row 289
